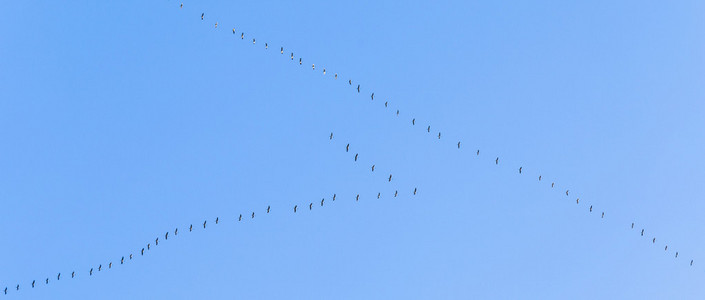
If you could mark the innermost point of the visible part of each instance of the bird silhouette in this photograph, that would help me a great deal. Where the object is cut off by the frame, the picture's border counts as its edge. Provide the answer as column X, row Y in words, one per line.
column 266, row 46
column 478, row 152
column 242, row 35
column 355, row 156
column 390, row 177
column 216, row 24
column 324, row 71
column 202, row 16
column 590, row 208
column 253, row 215
column 182, row 5
column 414, row 191
column 357, row 198
column 18, row 287
column 313, row 66
column 233, row 30
column 281, row 50
column 331, row 136
column 156, row 242
column 539, row 177
column 439, row 135
column 100, row 267
column 166, row 236
column 397, row 112
column 577, row 201
column 73, row 274
column 147, row 249
column 130, row 255
column 90, row 273
column 553, row 184
column 333, row 197
column 322, row 201
column 347, row 148
column 373, row 168
column 632, row 225
column 428, row 129
column 336, row 75
column 240, row 218
column 496, row 161
column 310, row 206
column 253, row 41
column 653, row 241
column 358, row 88
column 385, row 103
column 292, row 55
column 122, row 260
column 110, row 265
column 642, row 232
column 300, row 61
column 33, row 281
column 566, row 192
column 603, row 214
column 691, row 262
column 204, row 224
column 676, row 254
column 46, row 281
column 142, row 253
column 295, row 207
column 268, row 208
column 458, row 145
column 190, row 228
column 5, row 290
column 379, row 195
column 396, row 193
column 520, row 170
column 58, row 276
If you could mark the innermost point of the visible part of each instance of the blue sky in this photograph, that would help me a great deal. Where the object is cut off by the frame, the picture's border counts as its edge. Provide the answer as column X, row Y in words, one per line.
column 122, row 121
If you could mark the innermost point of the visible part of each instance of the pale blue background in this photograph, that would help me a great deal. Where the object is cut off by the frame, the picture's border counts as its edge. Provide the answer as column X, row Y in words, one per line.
column 120, row 120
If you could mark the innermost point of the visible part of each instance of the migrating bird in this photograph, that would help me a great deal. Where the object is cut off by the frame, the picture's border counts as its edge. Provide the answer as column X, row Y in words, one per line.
column 428, row 129
column 676, row 254
column 372, row 96
column 539, row 177
column 349, row 81
column 357, row 197
column 268, row 208
column 458, row 145
column 577, row 201
column 190, row 228
column 390, row 177
column 603, row 214
column 281, row 50
column 373, row 168
column 204, row 224
column 439, row 135
column 397, row 112
column 310, row 206
column 253, row 215
column 130, row 255
column 347, row 148
column 385, row 103
column 110, row 265
column 379, row 195
column 5, row 290
column 266, row 46
column 333, row 197
column 73, row 274
column 18, row 287
column 142, row 253
column 413, row 121
column 240, row 218
column 299, row 61
column 496, row 161
column 590, row 208
column 358, row 88
column 355, row 156
column 166, row 235
column 216, row 24
column 147, row 249
column 100, row 267
column 566, row 192
column 553, row 184
column 292, row 55
column 182, row 5
column 691, row 262
column 324, row 199
column 122, row 260
column 216, row 220
column 642, row 232
column 295, row 207
column 58, row 276
column 202, row 16
column 313, row 66
column 632, row 225
column 478, row 152
column 520, row 170
column 46, row 281
column 653, row 241
column 233, row 30
column 156, row 242
column 331, row 136
column 414, row 191
column 33, row 281
column 242, row 35
column 253, row 41
column 90, row 273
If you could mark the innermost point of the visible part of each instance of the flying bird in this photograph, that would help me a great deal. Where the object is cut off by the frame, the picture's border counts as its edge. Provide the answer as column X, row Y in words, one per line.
column 439, row 135
column 110, row 265
column 33, row 281
column 428, row 129
column 90, row 272
column 233, row 30
column 676, row 254
column 182, row 5
column 242, row 35
column 414, row 191
column 130, row 255
column 310, row 206
column 349, row 82
column 253, row 41
column 566, row 192
column 373, row 168
column 691, row 262
column 553, row 184
column 355, row 156
column 539, row 177
column 379, row 195
column 266, row 46
column 204, row 224
column 413, row 121
column 336, row 75
column 295, row 207
column 397, row 112
column 18, row 287
column 46, row 281
column 324, row 199
column 347, row 148
column 73, row 274
column 653, row 241
column 478, row 152
column 372, row 96
column 313, row 66
column 147, row 249
column 358, row 88
column 100, row 267
column 577, row 201
column 520, row 170
column 385, row 103
column 202, row 16
column 122, row 260
column 603, row 214
column 58, row 276
column 190, row 228
column 642, row 232
column 590, row 208
column 156, row 242
column 240, row 218
column 166, row 235
column 142, row 253
column 390, row 177
column 292, row 55
column 216, row 24
column 632, row 225
column 458, row 145
column 331, row 136
column 333, row 197
column 281, row 50
column 268, row 208
column 496, row 161
column 253, row 215
column 357, row 197
column 300, row 61
column 216, row 220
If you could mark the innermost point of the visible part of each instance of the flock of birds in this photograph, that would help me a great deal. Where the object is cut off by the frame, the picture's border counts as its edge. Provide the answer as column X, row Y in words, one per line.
column 295, row 208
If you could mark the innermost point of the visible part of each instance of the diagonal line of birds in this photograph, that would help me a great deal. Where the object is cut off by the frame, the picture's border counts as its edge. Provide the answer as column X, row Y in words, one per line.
column 437, row 135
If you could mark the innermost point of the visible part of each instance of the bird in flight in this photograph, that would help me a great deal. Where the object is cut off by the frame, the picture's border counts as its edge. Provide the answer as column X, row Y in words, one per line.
column 676, row 254
column 373, row 168
column 396, row 193
column 428, row 129
column 202, row 16
column 653, row 241
column 166, row 235
column 632, row 225
column 390, row 177
column 379, row 195
column 266, row 46
column 336, row 75
column 46, row 281
column 590, row 208
column 385, row 103
column 33, row 281
column 372, row 96
column 100, row 267
column 496, row 161
column 216, row 24
column 268, row 208
column 358, row 88
column 603, row 214
column 147, row 249
column 520, row 170
column 439, row 135
column 110, row 265
column 90, row 273
column 333, row 197
column 281, row 50
column 347, row 148
column 58, row 276
column 253, row 215
column 233, row 30
column 642, row 232
column 553, row 184
column 73, row 274
column 691, row 262
column 310, row 206
column 355, row 156
column 216, row 220
column 182, row 5
column 414, row 191
column 478, row 152
column 313, row 66
column 190, row 228
column 577, row 201
column 331, row 136
column 458, row 145
column 122, row 260
column 239, row 218
column 413, row 121
column 295, row 207
column 292, row 55
column 324, row 199
column 397, row 112
column 204, row 223
column 539, row 177
column 566, row 192
column 130, row 255
column 156, row 242
column 253, row 41
column 357, row 197
column 324, row 71
column 142, row 253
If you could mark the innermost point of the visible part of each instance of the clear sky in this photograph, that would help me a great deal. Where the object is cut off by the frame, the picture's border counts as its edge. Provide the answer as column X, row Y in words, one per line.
column 122, row 120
